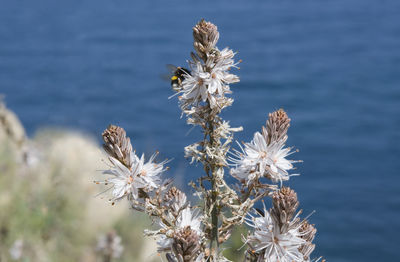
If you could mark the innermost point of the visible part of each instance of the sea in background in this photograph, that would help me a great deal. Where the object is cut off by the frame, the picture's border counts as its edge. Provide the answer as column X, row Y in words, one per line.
column 334, row 66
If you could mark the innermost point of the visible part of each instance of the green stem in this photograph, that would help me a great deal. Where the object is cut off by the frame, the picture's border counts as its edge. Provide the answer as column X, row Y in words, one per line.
column 214, row 243
column 214, row 219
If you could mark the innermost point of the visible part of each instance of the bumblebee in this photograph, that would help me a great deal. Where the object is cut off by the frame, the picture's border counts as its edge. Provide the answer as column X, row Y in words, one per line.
column 178, row 74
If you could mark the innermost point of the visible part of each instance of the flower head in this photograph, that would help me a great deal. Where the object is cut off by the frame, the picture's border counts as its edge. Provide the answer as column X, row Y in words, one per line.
column 210, row 81
column 189, row 218
column 187, row 229
column 124, row 182
column 279, row 234
column 141, row 176
column 270, row 243
column 258, row 159
column 210, row 75
column 265, row 155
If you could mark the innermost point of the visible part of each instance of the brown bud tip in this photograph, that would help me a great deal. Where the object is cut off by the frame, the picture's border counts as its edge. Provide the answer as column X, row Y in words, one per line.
column 284, row 202
column 117, row 145
column 113, row 133
column 205, row 36
column 186, row 244
column 308, row 231
column 277, row 126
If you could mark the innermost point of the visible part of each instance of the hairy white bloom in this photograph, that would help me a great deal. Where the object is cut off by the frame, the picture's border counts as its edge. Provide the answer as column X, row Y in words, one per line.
column 195, row 85
column 271, row 243
column 259, row 159
column 150, row 172
column 189, row 218
column 210, row 81
column 126, row 182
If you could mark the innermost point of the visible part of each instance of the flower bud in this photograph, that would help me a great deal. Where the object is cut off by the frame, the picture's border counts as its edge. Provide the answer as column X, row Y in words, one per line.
column 277, row 126
column 117, row 145
column 285, row 204
column 205, row 36
column 186, row 244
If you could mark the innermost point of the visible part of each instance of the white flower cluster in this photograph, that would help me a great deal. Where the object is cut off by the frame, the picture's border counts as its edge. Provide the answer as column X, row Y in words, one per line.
column 263, row 156
column 188, row 218
column 130, row 175
column 279, row 233
column 209, row 81
column 258, row 159
column 274, row 244
column 127, row 181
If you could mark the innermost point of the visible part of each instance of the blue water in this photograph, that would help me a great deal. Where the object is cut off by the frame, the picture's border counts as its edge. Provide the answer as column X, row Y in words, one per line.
column 333, row 65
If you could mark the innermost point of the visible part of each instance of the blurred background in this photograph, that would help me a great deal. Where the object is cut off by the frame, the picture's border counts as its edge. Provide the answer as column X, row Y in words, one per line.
column 70, row 68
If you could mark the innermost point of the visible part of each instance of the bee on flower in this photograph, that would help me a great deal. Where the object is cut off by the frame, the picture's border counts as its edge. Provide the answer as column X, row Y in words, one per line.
column 209, row 79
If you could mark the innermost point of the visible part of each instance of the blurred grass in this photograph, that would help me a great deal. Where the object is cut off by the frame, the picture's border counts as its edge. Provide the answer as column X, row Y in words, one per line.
column 47, row 200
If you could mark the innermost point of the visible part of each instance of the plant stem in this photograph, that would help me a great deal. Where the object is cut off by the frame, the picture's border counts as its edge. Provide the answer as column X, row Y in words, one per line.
column 214, row 218
column 214, row 243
